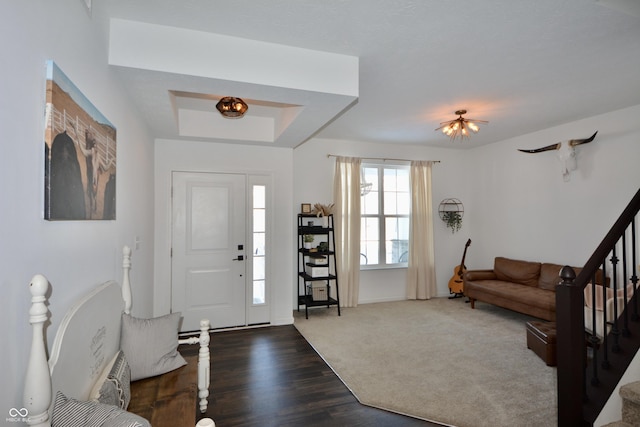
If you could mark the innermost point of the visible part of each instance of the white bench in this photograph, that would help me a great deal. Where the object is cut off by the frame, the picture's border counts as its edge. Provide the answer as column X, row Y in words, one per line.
column 87, row 339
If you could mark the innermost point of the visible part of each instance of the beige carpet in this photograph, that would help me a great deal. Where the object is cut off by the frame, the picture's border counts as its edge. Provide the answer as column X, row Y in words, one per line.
column 437, row 360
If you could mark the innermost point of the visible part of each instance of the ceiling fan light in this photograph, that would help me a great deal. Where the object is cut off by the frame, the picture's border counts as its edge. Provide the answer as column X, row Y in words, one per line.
column 460, row 127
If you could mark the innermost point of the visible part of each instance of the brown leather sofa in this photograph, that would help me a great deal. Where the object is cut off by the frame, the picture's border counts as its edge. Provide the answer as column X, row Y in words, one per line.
column 523, row 286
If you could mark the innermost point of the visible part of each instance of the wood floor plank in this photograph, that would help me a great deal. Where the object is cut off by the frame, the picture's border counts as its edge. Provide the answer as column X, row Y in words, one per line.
column 167, row 400
column 273, row 377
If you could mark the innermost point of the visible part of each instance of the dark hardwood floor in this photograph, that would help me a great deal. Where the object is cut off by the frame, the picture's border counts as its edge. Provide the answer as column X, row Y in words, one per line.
column 272, row 377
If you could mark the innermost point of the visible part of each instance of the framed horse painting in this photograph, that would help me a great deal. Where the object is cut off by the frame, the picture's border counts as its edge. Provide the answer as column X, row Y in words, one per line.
column 80, row 154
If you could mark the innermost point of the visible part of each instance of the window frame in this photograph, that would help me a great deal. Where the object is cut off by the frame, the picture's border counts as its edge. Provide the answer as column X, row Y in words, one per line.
column 381, row 216
column 260, row 313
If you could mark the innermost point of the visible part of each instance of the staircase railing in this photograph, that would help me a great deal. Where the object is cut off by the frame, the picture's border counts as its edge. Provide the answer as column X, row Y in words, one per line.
column 597, row 341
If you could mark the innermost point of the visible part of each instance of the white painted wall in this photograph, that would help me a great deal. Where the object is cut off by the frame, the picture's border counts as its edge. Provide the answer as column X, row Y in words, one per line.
column 523, row 209
column 74, row 255
column 173, row 155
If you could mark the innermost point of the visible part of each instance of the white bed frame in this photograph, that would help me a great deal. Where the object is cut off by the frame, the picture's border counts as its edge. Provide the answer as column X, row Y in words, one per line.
column 87, row 339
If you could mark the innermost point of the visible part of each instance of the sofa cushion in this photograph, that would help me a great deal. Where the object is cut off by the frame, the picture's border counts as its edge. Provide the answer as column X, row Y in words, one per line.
column 523, row 272
column 599, row 277
column 473, row 275
column 490, row 290
column 549, row 276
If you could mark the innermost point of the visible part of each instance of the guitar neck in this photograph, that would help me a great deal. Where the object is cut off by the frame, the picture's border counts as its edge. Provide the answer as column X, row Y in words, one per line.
column 464, row 255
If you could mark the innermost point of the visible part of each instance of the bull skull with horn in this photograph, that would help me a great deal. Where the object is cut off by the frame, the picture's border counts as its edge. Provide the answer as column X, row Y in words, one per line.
column 566, row 153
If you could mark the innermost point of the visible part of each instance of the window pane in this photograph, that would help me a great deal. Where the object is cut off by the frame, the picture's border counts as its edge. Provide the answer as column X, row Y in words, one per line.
column 369, row 253
column 389, row 180
column 397, row 240
column 369, row 229
column 370, row 176
column 403, row 203
column 390, row 203
column 258, row 244
column 259, row 292
column 403, row 228
column 403, row 180
column 259, row 196
column 258, row 268
column 369, row 243
column 369, row 203
column 258, row 220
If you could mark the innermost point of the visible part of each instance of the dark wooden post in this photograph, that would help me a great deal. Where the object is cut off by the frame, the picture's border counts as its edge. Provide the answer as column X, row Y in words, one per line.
column 571, row 349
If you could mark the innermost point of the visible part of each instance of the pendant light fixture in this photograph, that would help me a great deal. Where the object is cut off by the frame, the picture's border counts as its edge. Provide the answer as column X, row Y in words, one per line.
column 231, row 107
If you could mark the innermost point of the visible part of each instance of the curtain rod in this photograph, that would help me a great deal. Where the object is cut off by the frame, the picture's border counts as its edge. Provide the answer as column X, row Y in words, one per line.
column 384, row 159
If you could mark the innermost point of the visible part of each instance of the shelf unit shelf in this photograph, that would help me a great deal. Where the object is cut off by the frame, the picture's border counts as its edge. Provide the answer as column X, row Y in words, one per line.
column 316, row 290
column 309, row 278
column 308, row 301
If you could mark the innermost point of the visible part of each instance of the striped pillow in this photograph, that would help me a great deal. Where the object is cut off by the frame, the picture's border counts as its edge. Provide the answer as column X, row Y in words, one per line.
column 75, row 413
column 113, row 385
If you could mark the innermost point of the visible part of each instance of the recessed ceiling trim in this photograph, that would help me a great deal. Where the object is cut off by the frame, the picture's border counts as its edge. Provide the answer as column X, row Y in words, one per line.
column 197, row 53
column 266, row 120
column 305, row 89
column 210, row 124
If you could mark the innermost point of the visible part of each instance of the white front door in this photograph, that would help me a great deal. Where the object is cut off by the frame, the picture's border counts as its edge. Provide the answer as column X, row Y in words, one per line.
column 208, row 277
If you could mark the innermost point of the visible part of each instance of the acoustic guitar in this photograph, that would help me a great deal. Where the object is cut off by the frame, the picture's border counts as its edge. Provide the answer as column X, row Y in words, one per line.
column 456, row 284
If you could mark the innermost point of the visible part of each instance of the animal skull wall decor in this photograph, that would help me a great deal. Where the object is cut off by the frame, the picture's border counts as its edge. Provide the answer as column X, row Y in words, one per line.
column 566, row 153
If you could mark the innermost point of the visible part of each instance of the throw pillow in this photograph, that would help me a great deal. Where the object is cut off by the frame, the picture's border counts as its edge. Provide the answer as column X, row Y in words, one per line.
column 73, row 413
column 113, row 385
column 513, row 270
column 549, row 276
column 151, row 345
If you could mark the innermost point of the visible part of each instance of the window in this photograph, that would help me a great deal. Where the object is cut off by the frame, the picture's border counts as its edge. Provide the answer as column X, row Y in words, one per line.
column 259, row 244
column 385, row 206
column 259, row 252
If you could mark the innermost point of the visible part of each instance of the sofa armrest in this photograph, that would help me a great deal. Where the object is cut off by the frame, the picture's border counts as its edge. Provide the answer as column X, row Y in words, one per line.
column 472, row 275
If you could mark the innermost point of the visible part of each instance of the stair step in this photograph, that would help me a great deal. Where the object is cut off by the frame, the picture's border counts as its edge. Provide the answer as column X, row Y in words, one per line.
column 630, row 394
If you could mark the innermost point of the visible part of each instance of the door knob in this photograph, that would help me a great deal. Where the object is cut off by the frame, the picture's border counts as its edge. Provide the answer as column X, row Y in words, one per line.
column 240, row 258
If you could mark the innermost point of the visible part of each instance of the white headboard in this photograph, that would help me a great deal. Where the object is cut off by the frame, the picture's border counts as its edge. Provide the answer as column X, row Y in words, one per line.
column 87, row 339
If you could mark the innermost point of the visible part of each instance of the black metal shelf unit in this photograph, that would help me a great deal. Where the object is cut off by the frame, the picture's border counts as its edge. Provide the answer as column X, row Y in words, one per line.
column 317, row 265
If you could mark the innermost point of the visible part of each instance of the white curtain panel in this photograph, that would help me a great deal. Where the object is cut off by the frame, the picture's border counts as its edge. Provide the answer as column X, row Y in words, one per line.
column 346, row 196
column 421, row 274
